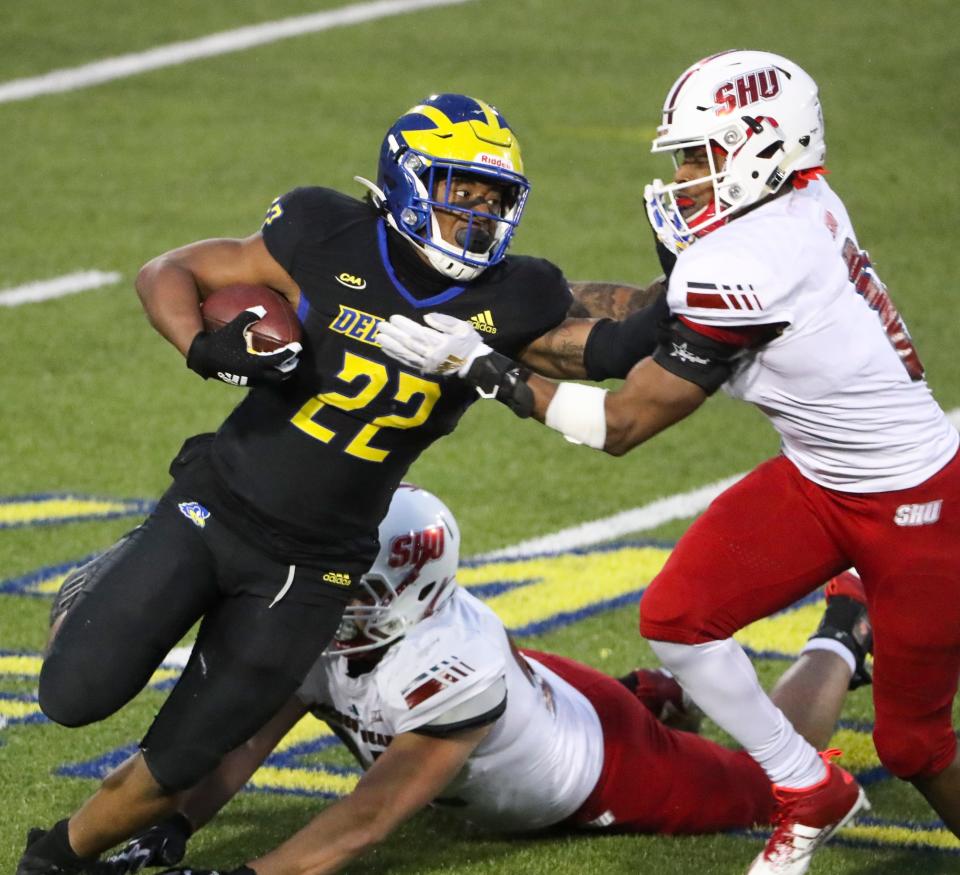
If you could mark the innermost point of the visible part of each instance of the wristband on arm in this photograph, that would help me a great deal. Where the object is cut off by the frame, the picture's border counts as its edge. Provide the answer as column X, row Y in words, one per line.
column 578, row 412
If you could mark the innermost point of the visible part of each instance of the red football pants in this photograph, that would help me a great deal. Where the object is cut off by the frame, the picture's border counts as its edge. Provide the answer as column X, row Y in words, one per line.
column 660, row 780
column 775, row 536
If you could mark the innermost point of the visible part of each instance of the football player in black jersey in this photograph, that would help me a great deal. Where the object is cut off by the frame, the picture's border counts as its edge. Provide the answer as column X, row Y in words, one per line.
column 270, row 522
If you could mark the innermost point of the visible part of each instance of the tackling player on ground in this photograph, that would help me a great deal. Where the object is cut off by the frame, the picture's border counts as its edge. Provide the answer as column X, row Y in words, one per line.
column 270, row 523
column 426, row 689
column 773, row 299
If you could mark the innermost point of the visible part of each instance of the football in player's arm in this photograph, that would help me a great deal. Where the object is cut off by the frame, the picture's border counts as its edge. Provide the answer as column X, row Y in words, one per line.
column 772, row 298
column 426, row 689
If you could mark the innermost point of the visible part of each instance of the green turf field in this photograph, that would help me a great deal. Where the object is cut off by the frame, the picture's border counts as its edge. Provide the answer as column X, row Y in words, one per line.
column 95, row 404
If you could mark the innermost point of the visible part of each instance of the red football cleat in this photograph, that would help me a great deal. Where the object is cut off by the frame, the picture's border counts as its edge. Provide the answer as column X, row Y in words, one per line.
column 807, row 818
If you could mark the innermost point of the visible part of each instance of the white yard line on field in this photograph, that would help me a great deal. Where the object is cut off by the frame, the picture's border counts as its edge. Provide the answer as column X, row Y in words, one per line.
column 222, row 43
column 57, row 287
column 638, row 519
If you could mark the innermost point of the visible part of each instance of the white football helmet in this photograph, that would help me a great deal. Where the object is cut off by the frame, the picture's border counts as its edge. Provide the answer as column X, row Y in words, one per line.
column 413, row 576
column 757, row 115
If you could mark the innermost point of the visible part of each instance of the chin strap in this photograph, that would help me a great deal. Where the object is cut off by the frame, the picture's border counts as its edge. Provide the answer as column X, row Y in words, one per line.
column 379, row 198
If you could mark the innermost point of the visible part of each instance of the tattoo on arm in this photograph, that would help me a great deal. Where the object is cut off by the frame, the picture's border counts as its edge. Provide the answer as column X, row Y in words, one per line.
column 611, row 300
column 559, row 353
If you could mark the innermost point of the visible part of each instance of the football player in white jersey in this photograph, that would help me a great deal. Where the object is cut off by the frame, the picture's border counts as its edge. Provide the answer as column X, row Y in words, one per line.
column 772, row 298
column 429, row 693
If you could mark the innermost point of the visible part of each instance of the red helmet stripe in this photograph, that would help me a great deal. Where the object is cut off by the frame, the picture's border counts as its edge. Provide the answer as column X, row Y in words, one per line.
column 671, row 104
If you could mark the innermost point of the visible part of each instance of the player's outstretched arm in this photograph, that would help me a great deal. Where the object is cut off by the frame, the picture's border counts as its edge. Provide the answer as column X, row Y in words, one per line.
column 172, row 285
column 412, row 772
column 651, row 399
column 595, row 300
column 608, row 329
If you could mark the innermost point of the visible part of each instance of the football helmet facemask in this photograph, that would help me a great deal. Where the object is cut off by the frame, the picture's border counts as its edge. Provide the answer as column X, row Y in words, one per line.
column 758, row 117
column 413, row 576
column 445, row 138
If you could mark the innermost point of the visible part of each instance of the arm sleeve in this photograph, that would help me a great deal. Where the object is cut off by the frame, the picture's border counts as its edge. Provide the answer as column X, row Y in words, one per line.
column 612, row 347
column 695, row 357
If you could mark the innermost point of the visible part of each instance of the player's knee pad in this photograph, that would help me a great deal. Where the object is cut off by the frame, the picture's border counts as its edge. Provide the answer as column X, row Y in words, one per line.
column 915, row 749
column 667, row 614
column 67, row 700
column 177, row 768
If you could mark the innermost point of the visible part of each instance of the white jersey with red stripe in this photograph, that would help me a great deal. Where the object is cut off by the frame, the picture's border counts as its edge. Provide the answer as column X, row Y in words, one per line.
column 455, row 669
column 842, row 384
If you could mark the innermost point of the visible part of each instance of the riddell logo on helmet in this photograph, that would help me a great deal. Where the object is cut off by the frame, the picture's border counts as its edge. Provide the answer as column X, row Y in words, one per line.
column 747, row 89
column 495, row 161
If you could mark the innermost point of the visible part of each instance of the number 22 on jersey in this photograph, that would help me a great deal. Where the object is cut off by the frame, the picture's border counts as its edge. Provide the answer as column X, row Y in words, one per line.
column 372, row 378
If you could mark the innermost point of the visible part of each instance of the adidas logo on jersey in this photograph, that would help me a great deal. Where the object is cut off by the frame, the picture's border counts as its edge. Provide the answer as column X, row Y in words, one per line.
column 338, row 578
column 918, row 514
column 483, row 322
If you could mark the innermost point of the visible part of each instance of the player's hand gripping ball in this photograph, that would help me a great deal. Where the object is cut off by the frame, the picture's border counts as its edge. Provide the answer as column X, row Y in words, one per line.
column 278, row 326
column 251, row 337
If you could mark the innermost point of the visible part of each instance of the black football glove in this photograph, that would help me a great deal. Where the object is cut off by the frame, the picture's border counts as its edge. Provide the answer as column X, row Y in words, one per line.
column 161, row 845
column 228, row 355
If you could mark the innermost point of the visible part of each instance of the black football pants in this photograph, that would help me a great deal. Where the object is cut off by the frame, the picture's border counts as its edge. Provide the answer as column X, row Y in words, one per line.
column 264, row 625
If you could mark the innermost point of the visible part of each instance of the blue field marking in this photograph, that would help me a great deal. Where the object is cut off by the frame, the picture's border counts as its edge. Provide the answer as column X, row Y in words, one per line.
column 10, row 702
column 27, row 584
column 566, row 619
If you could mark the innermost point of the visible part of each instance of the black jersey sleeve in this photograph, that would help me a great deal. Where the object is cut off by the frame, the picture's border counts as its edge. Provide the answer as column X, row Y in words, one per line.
column 306, row 213
column 547, row 296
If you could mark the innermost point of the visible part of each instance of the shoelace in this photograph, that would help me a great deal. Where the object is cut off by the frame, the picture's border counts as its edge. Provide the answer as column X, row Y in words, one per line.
column 782, row 839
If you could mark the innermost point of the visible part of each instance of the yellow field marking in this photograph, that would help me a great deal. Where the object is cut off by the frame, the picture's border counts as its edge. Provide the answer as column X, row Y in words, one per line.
column 303, row 780
column 34, row 510
column 14, row 709
column 903, row 835
column 859, row 754
column 784, row 633
column 20, row 664
column 309, row 728
column 565, row 584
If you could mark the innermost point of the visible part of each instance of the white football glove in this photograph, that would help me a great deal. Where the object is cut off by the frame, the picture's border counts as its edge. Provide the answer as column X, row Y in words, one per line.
column 443, row 346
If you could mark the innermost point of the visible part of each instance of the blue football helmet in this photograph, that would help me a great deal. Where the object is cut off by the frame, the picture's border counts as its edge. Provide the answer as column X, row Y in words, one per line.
column 448, row 137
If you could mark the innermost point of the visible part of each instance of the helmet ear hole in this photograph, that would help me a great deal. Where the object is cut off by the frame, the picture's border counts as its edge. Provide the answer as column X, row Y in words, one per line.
column 425, row 592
